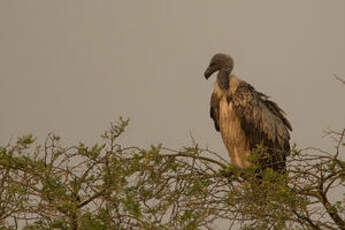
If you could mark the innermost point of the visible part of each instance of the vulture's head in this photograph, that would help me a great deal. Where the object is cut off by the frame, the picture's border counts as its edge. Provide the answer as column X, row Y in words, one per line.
column 219, row 61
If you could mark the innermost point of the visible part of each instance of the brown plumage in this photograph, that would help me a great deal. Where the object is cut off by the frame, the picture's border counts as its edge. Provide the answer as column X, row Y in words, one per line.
column 247, row 118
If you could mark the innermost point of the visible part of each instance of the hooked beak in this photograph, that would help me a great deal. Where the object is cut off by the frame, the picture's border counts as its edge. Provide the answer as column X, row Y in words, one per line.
column 209, row 71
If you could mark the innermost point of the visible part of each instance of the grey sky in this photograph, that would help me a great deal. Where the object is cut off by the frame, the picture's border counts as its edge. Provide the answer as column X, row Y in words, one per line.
column 74, row 66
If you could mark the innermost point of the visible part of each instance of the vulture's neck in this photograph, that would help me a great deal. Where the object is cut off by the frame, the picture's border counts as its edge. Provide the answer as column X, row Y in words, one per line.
column 223, row 78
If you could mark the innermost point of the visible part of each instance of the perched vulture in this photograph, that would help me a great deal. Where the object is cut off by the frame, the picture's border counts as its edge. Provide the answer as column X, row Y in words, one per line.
column 247, row 118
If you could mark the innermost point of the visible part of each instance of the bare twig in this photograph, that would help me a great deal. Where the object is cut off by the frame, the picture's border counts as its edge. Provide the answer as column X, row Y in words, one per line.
column 339, row 79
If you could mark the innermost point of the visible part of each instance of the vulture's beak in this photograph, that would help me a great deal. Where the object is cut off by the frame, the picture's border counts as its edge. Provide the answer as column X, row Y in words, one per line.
column 208, row 72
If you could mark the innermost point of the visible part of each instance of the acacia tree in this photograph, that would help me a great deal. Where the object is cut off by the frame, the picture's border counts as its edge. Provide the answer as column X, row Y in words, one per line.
column 112, row 186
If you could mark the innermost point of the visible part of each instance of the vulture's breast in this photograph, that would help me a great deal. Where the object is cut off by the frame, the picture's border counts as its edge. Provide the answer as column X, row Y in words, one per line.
column 230, row 127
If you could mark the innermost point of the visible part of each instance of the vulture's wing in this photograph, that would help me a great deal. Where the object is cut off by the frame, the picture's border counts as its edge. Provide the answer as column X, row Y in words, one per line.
column 262, row 120
column 214, row 110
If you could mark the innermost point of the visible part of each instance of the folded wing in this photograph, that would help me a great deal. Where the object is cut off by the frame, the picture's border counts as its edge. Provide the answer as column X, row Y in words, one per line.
column 264, row 123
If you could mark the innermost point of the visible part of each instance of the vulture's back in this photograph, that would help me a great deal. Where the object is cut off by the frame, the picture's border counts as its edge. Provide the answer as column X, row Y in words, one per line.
column 247, row 118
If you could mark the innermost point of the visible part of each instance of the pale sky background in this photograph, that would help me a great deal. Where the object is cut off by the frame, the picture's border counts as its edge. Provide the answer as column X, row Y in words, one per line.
column 74, row 66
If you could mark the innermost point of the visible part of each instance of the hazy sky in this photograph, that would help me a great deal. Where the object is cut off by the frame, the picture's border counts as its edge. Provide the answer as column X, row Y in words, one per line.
column 75, row 66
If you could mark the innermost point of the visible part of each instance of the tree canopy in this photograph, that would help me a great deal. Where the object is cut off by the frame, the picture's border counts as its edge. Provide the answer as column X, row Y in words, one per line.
column 112, row 186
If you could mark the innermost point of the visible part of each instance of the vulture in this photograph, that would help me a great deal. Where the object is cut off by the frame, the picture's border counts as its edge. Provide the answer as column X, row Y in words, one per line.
column 247, row 118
